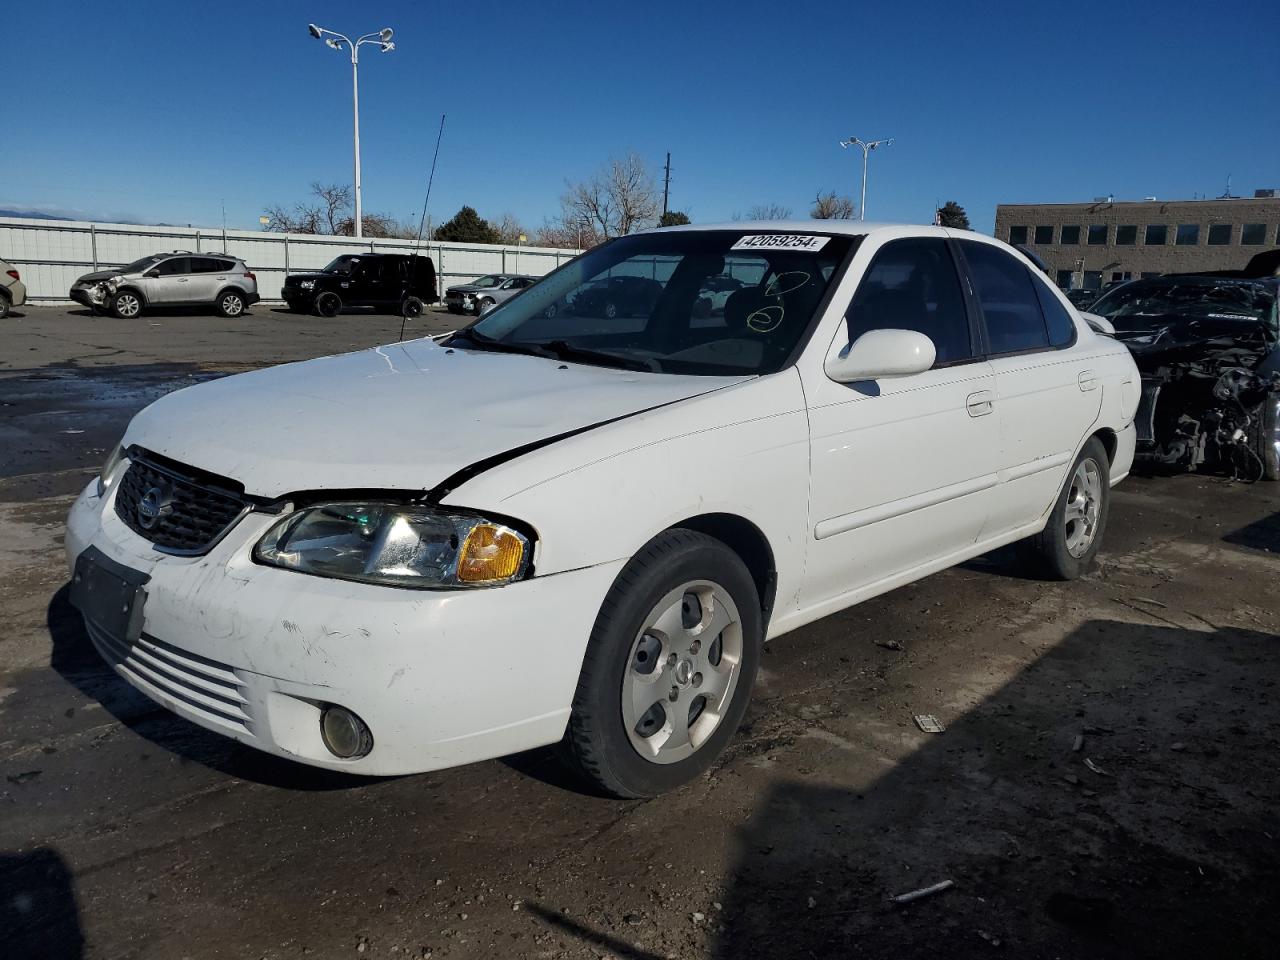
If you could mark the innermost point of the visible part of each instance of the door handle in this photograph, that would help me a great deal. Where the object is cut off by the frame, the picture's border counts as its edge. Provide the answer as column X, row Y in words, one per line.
column 1088, row 380
column 979, row 404
column 184, row 280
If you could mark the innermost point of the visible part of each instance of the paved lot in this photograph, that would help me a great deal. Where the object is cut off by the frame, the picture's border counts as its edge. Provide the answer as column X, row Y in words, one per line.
column 125, row 832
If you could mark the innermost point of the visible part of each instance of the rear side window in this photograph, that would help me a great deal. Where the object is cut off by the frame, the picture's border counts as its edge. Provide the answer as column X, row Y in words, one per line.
column 1010, row 307
column 1062, row 329
column 174, row 265
column 912, row 284
column 210, row 265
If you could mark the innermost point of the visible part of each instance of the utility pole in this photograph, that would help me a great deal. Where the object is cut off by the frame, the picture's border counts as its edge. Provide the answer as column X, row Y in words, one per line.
column 666, row 184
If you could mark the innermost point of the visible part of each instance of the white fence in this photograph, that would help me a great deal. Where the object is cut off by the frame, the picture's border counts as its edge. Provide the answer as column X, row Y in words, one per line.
column 51, row 254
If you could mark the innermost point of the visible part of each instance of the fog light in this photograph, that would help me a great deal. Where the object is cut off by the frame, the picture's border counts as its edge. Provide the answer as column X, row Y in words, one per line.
column 345, row 734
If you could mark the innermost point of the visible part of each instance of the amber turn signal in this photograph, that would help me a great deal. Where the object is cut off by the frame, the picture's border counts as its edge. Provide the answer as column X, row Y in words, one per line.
column 490, row 554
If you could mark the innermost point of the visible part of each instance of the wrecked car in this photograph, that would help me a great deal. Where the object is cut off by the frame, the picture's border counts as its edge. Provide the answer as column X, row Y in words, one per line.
column 1208, row 348
column 579, row 529
column 177, row 279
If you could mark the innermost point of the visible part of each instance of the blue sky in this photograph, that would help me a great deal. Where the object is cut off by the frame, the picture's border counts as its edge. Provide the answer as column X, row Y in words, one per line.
column 160, row 112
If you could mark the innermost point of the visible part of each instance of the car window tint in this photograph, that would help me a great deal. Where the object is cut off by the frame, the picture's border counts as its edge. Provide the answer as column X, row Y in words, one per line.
column 912, row 284
column 1010, row 306
column 174, row 265
column 209, row 265
column 1062, row 328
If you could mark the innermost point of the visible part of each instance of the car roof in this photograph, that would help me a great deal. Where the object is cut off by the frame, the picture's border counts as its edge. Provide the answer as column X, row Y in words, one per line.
column 855, row 228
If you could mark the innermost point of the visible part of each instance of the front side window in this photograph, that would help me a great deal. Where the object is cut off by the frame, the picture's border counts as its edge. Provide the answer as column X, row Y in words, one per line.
column 1098, row 234
column 635, row 303
column 1017, row 235
column 143, row 265
column 1157, row 235
column 1126, row 235
column 1219, row 234
column 489, row 281
column 1253, row 234
column 912, row 284
column 1010, row 307
column 343, row 264
column 1044, row 235
column 1188, row 235
column 1070, row 236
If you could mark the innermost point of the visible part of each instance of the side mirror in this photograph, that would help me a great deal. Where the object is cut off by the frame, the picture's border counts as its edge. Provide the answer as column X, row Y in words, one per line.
column 1098, row 324
column 152, row 273
column 882, row 353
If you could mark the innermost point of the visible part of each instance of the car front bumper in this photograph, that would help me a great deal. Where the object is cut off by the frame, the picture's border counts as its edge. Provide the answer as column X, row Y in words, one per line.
column 441, row 678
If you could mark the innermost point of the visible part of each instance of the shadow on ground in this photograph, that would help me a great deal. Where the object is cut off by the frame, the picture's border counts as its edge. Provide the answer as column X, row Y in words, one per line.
column 1168, row 851
column 1262, row 535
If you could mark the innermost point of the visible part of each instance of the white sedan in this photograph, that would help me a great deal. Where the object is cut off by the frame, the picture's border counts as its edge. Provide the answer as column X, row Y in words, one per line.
column 580, row 530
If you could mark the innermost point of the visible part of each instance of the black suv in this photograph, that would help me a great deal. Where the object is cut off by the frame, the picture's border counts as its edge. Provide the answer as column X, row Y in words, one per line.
column 398, row 282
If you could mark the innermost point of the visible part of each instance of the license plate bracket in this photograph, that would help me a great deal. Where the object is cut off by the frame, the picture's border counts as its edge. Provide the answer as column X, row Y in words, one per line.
column 109, row 594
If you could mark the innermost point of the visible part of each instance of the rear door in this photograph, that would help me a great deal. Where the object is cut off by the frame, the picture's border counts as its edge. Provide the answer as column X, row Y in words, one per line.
column 902, row 467
column 171, row 283
column 208, row 275
column 1048, row 392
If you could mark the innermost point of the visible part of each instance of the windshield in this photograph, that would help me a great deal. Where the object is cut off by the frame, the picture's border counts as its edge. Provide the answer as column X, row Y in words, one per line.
column 655, row 302
column 1152, row 304
column 342, row 264
column 146, row 263
column 492, row 280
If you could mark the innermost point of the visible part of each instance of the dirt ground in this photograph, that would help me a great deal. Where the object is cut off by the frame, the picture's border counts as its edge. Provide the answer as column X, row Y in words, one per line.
column 1106, row 784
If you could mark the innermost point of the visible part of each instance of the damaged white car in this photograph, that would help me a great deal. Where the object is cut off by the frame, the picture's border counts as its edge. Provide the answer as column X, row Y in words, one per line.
column 557, row 527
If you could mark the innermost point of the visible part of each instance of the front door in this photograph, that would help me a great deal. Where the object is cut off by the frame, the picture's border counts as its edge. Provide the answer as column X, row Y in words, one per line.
column 1048, row 392
column 902, row 467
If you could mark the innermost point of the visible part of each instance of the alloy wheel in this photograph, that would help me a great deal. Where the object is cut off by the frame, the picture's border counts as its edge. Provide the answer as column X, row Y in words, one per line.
column 1084, row 502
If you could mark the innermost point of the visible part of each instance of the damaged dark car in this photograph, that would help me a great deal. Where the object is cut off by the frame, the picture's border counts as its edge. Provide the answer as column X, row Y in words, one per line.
column 1208, row 349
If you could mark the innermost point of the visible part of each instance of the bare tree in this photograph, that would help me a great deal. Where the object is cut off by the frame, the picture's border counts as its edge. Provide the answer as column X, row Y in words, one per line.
column 326, row 213
column 614, row 201
column 832, row 206
column 765, row 211
column 567, row 236
column 509, row 228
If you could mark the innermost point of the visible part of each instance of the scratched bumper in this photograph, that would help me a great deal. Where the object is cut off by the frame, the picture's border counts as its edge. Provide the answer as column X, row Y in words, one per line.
column 255, row 653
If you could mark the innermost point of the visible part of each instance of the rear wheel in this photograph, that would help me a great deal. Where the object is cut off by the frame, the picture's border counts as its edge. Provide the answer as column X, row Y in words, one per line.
column 1071, row 539
column 4, row 306
column 126, row 305
column 328, row 304
column 412, row 307
column 231, row 303
column 668, row 669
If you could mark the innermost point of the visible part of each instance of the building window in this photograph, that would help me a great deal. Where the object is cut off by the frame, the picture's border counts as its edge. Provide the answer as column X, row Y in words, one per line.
column 1151, row 274
column 1253, row 234
column 1157, row 235
column 1097, row 235
column 1119, row 275
column 1093, row 279
column 1126, row 236
column 1188, row 235
column 1070, row 236
column 1064, row 278
column 1017, row 235
column 1219, row 234
column 1044, row 235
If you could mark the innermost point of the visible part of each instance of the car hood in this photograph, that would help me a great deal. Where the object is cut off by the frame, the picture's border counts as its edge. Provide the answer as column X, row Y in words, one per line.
column 294, row 277
column 404, row 416
column 99, row 276
column 468, row 288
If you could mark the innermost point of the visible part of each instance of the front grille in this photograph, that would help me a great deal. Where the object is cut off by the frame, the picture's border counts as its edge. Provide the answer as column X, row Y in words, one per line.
column 206, row 687
column 178, row 509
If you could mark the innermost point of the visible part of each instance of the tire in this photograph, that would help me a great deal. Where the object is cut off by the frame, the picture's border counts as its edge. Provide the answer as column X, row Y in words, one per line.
column 328, row 304
column 550, row 311
column 293, row 306
column 618, row 711
column 231, row 304
column 610, row 310
column 4, row 306
column 1067, row 545
column 126, row 305
column 412, row 307
column 482, row 305
column 1266, row 438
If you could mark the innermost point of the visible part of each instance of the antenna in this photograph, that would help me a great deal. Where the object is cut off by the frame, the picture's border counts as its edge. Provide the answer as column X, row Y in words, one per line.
column 425, row 200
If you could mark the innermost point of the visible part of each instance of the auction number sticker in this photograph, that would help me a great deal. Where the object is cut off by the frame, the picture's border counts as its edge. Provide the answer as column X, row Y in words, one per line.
column 780, row 241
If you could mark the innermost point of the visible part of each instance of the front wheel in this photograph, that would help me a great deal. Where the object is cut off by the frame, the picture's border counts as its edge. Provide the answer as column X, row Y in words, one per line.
column 483, row 305
column 668, row 669
column 231, row 303
column 126, row 305
column 1071, row 539
column 328, row 304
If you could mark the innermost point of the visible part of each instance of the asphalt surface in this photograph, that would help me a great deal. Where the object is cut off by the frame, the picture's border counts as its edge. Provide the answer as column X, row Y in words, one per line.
column 1105, row 785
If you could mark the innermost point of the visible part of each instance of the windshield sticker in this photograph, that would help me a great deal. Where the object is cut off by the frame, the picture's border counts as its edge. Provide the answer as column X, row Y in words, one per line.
column 780, row 241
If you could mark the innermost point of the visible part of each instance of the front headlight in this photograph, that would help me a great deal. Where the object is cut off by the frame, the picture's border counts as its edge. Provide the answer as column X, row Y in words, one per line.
column 306, row 284
column 397, row 545
column 105, row 478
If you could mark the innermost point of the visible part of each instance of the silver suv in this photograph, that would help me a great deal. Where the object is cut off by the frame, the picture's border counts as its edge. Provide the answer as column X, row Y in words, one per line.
column 180, row 278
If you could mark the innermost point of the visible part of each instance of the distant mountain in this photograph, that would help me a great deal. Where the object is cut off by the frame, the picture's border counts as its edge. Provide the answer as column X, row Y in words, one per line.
column 32, row 215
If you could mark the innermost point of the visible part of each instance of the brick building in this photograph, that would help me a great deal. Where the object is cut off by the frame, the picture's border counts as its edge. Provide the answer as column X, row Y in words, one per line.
column 1089, row 244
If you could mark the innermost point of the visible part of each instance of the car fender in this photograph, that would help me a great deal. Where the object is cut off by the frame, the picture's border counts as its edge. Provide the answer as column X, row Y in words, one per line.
column 599, row 495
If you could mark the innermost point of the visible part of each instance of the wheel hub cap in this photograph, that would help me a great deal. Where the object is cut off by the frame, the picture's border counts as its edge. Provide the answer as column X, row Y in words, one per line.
column 684, row 672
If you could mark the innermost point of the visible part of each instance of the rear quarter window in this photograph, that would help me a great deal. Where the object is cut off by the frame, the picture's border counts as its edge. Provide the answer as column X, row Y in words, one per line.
column 1060, row 324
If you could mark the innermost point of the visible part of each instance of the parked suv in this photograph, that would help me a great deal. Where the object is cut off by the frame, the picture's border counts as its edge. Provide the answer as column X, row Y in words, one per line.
column 13, row 292
column 403, row 282
column 180, row 278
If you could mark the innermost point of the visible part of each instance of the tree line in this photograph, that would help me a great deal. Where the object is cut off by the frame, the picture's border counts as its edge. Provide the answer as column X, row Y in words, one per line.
column 616, row 200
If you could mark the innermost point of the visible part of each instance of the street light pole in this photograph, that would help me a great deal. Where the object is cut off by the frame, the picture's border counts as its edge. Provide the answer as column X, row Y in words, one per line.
column 335, row 41
column 867, row 146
